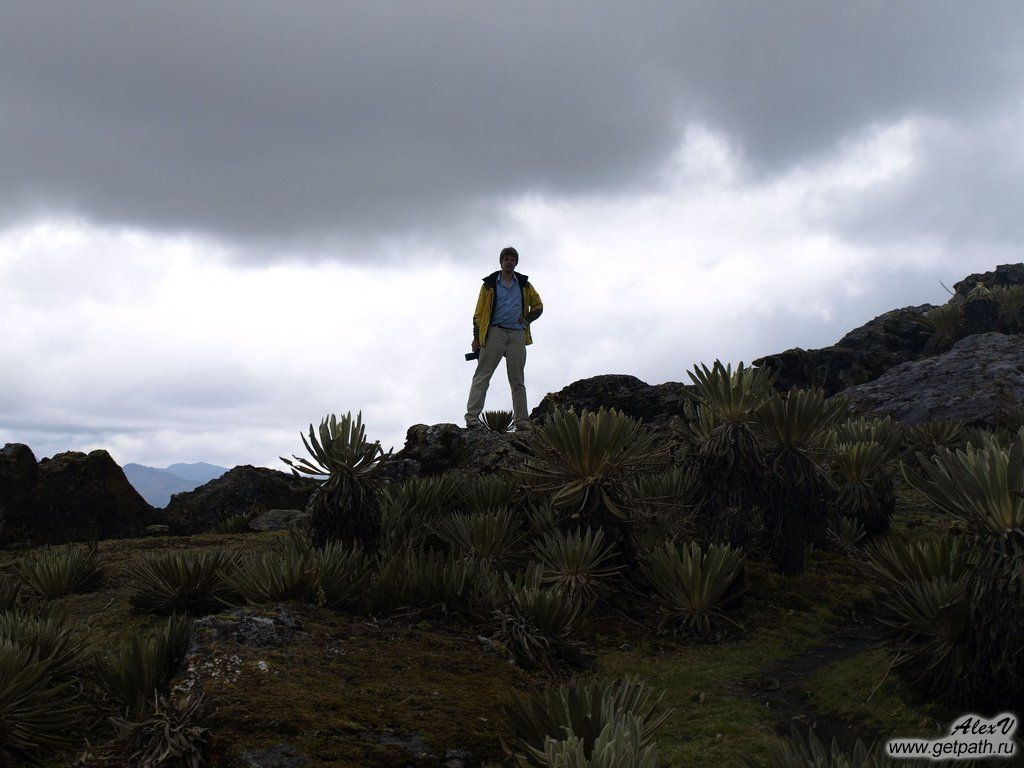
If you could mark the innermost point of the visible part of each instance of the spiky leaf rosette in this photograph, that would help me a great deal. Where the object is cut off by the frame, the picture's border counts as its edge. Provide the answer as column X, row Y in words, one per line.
column 484, row 493
column 535, row 623
column 619, row 745
column 341, row 575
column 984, row 486
column 667, row 501
column 929, row 437
column 345, row 507
column 863, row 491
column 584, row 460
column 37, row 713
column 946, row 324
column 179, row 582
column 59, row 571
column 47, row 637
column 797, row 752
column 169, row 736
column 132, row 673
column 580, row 563
column 407, row 510
column 887, row 433
column 692, row 587
column 491, row 536
column 271, row 577
column 793, row 428
column 497, row 421
column 583, row 708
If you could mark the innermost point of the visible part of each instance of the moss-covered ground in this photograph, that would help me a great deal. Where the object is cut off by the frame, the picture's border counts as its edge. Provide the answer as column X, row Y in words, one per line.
column 352, row 691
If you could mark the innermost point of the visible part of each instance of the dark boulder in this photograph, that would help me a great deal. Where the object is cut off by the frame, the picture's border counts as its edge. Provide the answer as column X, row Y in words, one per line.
column 437, row 448
column 80, row 497
column 862, row 355
column 244, row 490
column 972, row 382
column 1002, row 276
column 628, row 394
column 18, row 471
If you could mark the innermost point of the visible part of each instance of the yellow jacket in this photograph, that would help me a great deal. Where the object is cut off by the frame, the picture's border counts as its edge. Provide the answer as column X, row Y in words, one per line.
column 532, row 306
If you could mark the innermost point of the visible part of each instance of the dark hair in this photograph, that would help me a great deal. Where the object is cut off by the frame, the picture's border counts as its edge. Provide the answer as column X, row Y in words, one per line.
column 509, row 251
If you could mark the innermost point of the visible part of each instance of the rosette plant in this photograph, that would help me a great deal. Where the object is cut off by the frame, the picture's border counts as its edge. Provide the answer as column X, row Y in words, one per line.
column 346, row 505
column 585, row 462
column 720, row 431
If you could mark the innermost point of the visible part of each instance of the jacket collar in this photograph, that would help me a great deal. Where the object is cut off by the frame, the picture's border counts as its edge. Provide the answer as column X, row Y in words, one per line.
column 491, row 281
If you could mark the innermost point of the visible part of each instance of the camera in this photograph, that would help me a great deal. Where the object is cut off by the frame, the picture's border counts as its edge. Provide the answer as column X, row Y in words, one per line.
column 472, row 355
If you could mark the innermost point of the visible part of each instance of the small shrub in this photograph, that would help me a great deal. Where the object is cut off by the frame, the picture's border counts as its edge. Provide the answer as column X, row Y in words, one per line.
column 691, row 586
column 134, row 673
column 169, row 737
column 180, row 582
column 60, row 571
column 946, row 324
column 582, row 709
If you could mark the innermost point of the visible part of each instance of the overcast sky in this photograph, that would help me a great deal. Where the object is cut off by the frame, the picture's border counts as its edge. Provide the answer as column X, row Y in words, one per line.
column 221, row 221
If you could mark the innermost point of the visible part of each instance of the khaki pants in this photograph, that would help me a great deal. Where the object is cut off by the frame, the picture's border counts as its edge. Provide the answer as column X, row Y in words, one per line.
column 512, row 346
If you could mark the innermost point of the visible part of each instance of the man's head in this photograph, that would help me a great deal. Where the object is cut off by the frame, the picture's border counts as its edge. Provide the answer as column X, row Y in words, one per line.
column 508, row 259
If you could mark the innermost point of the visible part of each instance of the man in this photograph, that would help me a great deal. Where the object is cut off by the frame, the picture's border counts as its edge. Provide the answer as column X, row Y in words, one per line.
column 501, row 328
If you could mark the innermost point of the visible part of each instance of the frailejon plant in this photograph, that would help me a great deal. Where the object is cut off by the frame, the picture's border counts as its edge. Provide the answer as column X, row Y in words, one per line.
column 863, row 491
column 584, row 709
column 409, row 508
column 491, row 536
column 797, row 752
column 620, row 744
column 38, row 713
column 497, row 421
column 584, row 462
column 983, row 487
column 719, row 430
column 171, row 735
column 484, row 493
column 945, row 323
column 692, row 587
column 46, row 637
column 342, row 574
column 59, row 571
column 180, row 582
column 793, row 432
column 535, row 623
column 579, row 563
column 272, row 577
column 664, row 505
column 346, row 506
column 928, row 437
column 132, row 674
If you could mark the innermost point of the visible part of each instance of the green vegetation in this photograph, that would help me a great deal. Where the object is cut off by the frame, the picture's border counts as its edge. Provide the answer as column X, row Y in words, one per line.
column 180, row 582
column 60, row 571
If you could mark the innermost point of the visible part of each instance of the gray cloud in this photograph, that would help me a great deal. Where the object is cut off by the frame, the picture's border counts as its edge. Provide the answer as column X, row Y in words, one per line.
column 307, row 123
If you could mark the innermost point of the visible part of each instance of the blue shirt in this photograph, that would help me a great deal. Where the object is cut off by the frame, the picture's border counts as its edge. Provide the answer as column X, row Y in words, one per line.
column 508, row 305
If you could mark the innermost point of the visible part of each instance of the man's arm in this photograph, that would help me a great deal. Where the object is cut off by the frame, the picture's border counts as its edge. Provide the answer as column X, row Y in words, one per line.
column 536, row 307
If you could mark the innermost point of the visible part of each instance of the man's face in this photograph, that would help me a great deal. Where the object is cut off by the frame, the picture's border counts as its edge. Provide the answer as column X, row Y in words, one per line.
column 508, row 263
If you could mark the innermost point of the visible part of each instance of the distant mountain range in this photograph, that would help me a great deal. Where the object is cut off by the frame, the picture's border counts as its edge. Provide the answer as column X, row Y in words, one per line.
column 156, row 485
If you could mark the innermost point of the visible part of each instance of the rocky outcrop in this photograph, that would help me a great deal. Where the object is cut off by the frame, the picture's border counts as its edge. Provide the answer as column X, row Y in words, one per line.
column 1002, row 276
column 244, row 490
column 635, row 398
column 437, row 448
column 77, row 497
column 18, row 471
column 862, row 355
column 972, row 382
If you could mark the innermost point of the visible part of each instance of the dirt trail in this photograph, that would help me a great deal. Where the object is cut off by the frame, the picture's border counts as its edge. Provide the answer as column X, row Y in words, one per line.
column 782, row 688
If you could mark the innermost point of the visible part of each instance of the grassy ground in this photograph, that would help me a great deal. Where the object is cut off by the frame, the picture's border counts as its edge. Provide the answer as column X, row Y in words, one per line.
column 349, row 691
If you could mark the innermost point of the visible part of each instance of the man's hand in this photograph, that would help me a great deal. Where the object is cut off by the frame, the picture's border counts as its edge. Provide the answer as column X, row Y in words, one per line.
column 476, row 345
column 522, row 320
